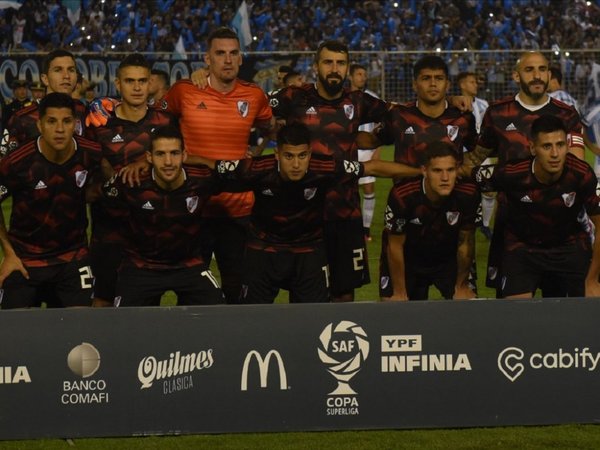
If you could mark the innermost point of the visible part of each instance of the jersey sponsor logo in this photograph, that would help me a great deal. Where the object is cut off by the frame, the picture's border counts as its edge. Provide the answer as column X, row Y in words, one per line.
column 352, row 167
column 511, row 127
column 192, row 203
column 452, row 131
column 484, row 173
column 201, row 105
column 263, row 369
column 80, row 177
column 148, row 206
column 41, row 185
column 349, row 111
column 117, row 138
column 268, row 192
column 243, row 107
column 227, row 166
column 409, row 130
column 452, row 217
column 311, row 110
column 569, row 199
column 273, row 102
column 309, row 193
column 526, row 199
column 384, row 282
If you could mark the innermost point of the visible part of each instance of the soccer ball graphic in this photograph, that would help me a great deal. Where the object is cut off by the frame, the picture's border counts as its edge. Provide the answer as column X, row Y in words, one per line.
column 343, row 348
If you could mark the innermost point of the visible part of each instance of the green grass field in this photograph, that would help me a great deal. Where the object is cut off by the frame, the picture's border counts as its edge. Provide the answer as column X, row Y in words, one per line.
column 547, row 437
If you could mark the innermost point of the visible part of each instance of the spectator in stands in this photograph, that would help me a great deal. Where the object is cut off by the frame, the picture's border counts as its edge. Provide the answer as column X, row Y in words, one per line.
column 556, row 90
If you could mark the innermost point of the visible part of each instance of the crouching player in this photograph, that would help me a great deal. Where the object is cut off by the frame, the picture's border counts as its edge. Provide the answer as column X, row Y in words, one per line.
column 165, row 219
column 429, row 231
column 285, row 248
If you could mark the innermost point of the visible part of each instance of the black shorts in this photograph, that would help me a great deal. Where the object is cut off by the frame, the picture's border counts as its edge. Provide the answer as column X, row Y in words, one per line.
column 69, row 284
column 305, row 275
column 226, row 237
column 105, row 259
column 525, row 268
column 418, row 279
column 346, row 255
column 145, row 287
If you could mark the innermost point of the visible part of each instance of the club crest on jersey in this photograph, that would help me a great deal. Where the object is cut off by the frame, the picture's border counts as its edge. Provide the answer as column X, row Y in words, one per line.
column 227, row 166
column 243, row 107
column 452, row 131
column 352, row 167
column 452, row 217
column 80, row 177
column 349, row 111
column 309, row 193
column 191, row 203
column 569, row 199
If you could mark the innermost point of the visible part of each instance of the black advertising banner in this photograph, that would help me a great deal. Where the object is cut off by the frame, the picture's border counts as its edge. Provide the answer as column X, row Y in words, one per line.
column 126, row 372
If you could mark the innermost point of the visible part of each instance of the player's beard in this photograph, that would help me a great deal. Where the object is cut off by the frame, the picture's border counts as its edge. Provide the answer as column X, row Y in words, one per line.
column 536, row 95
column 332, row 89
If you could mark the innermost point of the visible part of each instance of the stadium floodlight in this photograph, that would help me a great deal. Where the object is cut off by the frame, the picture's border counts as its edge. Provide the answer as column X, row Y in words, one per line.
column 83, row 28
column 567, row 54
column 129, row 40
column 255, row 38
column 112, row 46
column 465, row 49
column 588, row 3
column 395, row 4
column 88, row 37
column 491, row 14
column 438, row 49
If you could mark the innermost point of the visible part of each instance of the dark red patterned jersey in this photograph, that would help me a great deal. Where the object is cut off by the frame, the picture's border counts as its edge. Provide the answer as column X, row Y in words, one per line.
column 543, row 215
column 166, row 225
column 22, row 126
column 333, row 126
column 288, row 215
column 123, row 142
column 431, row 231
column 411, row 131
column 506, row 127
column 48, row 221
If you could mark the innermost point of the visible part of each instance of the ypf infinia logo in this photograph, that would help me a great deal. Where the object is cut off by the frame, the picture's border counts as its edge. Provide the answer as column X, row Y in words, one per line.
column 84, row 360
column 343, row 348
column 263, row 369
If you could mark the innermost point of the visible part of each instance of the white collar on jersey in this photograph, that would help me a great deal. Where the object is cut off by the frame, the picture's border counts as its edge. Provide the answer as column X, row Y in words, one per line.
column 531, row 107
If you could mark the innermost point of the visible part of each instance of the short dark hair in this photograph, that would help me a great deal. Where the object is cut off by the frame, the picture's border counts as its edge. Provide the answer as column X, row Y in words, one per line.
column 222, row 33
column 556, row 73
column 165, row 132
column 333, row 46
column 354, row 67
column 58, row 53
column 56, row 100
column 438, row 149
column 430, row 62
column 161, row 74
column 289, row 76
column 133, row 60
column 463, row 75
column 547, row 124
column 293, row 134
column 285, row 69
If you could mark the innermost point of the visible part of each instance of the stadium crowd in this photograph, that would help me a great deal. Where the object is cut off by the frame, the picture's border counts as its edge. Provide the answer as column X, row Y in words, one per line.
column 128, row 26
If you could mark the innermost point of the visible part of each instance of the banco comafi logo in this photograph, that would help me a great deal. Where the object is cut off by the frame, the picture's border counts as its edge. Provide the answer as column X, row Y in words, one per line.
column 84, row 360
column 343, row 348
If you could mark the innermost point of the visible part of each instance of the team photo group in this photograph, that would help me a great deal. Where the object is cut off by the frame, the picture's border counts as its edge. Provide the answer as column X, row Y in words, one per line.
column 268, row 184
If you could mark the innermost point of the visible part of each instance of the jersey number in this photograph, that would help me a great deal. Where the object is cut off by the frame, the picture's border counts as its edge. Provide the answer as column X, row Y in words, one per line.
column 85, row 275
column 208, row 274
column 358, row 259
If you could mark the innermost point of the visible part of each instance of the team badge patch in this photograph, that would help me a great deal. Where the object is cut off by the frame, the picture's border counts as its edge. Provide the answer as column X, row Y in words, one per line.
column 80, row 177
column 452, row 217
column 452, row 132
column 227, row 166
column 352, row 167
column 309, row 193
column 349, row 111
column 243, row 107
column 191, row 203
column 569, row 199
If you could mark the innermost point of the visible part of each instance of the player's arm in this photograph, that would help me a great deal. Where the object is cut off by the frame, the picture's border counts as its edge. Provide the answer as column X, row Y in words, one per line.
column 200, row 77
column 464, row 258
column 592, row 285
column 10, row 261
column 395, row 256
column 94, row 190
column 463, row 102
column 473, row 159
column 388, row 169
column 99, row 111
column 266, row 131
column 591, row 145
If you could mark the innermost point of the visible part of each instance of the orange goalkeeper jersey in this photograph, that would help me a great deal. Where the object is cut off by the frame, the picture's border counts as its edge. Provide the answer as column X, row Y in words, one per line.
column 217, row 126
